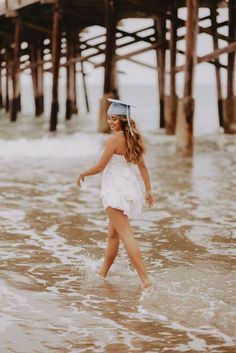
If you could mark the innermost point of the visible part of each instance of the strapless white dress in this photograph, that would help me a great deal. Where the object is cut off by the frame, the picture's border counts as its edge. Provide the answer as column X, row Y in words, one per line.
column 120, row 187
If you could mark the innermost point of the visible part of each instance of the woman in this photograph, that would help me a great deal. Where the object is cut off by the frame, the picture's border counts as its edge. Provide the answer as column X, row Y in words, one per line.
column 121, row 194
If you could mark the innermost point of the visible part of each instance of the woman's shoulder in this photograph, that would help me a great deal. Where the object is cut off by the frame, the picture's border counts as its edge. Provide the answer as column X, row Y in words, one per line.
column 112, row 142
column 113, row 139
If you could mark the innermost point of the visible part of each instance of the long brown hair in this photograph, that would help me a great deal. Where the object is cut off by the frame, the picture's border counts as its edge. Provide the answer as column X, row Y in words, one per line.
column 134, row 143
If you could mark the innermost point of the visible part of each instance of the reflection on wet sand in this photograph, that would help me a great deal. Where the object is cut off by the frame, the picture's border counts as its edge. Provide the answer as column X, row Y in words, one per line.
column 53, row 238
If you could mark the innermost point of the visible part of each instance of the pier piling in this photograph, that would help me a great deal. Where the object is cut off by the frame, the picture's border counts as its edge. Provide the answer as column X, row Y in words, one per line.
column 36, row 52
column 160, row 35
column 1, row 98
column 213, row 11
column 184, row 128
column 230, row 101
column 110, row 88
column 172, row 99
column 15, row 70
column 70, row 89
column 6, row 57
column 56, row 44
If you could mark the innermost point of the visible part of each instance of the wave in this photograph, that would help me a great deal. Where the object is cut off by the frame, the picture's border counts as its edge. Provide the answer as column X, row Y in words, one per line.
column 70, row 146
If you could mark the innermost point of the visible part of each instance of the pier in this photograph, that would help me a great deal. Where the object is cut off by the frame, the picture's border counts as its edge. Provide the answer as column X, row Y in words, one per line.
column 39, row 36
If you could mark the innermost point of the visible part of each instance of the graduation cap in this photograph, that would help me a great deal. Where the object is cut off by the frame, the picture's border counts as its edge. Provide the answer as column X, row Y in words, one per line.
column 118, row 107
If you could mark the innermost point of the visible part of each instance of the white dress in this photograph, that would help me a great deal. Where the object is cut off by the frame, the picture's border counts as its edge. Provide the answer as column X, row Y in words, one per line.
column 120, row 188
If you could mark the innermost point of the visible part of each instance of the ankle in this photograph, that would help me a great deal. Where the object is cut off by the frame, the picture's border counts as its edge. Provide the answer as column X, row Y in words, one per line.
column 102, row 274
column 146, row 280
column 146, row 284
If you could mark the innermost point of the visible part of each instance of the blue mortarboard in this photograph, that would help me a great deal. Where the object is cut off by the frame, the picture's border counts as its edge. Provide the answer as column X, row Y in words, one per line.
column 118, row 107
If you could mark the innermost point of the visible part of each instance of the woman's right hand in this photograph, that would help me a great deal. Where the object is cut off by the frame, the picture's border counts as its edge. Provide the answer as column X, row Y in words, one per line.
column 78, row 181
column 149, row 198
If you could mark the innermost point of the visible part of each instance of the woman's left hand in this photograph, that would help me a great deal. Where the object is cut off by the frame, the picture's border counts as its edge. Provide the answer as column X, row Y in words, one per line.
column 149, row 198
column 79, row 180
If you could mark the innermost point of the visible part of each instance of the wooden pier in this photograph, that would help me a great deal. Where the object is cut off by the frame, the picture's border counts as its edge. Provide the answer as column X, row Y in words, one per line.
column 46, row 35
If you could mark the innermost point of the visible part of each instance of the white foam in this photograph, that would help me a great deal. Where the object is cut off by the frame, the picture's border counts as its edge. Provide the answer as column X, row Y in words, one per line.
column 193, row 299
column 70, row 146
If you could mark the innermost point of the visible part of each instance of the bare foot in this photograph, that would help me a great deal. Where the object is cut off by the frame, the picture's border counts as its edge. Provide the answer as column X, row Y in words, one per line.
column 146, row 284
column 101, row 275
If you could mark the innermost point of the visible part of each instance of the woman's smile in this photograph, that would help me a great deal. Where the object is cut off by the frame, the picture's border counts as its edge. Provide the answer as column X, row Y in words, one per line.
column 114, row 123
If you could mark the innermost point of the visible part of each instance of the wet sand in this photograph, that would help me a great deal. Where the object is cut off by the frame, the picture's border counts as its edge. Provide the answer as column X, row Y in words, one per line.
column 53, row 236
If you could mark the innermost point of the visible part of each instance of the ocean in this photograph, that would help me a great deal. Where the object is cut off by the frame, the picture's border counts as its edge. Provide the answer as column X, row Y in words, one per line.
column 53, row 237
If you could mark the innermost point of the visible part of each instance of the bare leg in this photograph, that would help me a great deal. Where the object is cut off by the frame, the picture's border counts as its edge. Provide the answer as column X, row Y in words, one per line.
column 121, row 224
column 111, row 250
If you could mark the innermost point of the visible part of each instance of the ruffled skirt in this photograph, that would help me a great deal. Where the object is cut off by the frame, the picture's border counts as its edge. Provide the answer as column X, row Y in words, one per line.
column 120, row 188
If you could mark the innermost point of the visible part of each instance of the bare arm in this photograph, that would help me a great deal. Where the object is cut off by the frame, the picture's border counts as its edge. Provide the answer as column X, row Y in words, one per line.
column 101, row 164
column 144, row 174
column 146, row 179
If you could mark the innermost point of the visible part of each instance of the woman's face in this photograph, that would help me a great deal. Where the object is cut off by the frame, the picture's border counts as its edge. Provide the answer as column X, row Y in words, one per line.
column 114, row 123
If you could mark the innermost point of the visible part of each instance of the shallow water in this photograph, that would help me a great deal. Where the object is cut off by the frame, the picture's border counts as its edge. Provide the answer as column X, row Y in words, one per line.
column 53, row 238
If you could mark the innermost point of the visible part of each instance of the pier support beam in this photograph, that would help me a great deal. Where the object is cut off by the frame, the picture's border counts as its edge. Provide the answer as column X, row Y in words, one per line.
column 184, row 128
column 15, row 70
column 160, row 34
column 75, row 108
column 110, row 79
column 172, row 100
column 213, row 11
column 83, row 78
column 7, row 101
column 40, row 79
column 85, row 86
column 37, row 75
column 70, row 76
column 56, row 45
column 1, row 100
column 230, row 101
